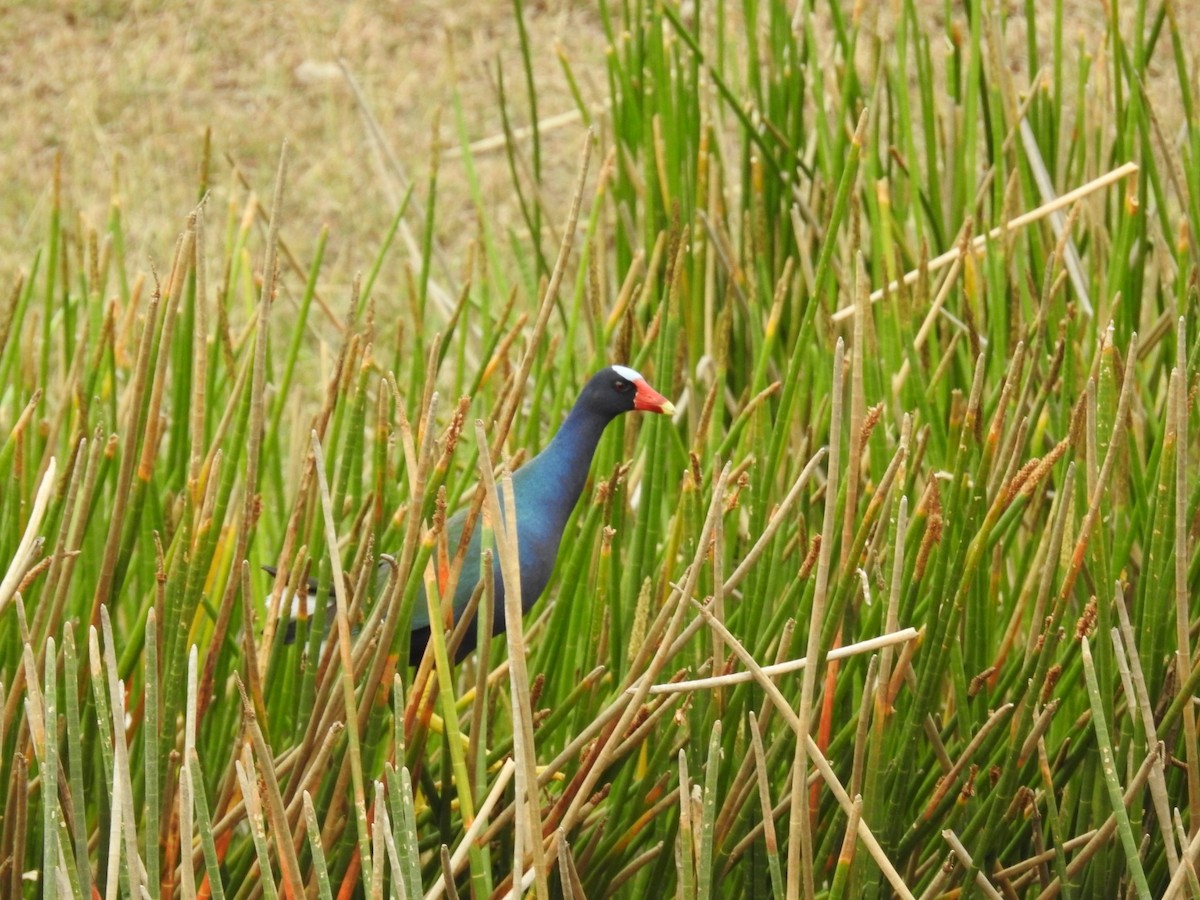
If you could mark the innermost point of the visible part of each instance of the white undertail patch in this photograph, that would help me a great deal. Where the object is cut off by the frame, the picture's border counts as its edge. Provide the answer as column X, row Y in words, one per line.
column 309, row 602
column 628, row 374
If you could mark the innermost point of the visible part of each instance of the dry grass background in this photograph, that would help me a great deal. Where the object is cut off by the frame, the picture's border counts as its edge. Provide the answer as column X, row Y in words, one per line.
column 125, row 90
column 128, row 89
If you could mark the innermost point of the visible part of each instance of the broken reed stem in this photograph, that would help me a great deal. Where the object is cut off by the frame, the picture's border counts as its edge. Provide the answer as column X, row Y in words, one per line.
column 501, row 140
column 967, row 863
column 981, row 241
column 793, row 665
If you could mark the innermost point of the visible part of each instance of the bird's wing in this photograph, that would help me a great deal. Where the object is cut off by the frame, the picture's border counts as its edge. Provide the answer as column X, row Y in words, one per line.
column 466, row 582
column 467, row 579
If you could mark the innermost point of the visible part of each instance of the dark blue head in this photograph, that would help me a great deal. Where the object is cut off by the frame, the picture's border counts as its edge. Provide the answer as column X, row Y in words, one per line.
column 619, row 389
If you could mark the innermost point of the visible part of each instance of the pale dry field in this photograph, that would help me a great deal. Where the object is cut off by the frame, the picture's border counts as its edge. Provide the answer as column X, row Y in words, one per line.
column 125, row 91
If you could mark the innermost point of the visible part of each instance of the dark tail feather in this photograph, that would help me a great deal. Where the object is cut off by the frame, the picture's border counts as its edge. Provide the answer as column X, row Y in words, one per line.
column 417, row 640
column 312, row 582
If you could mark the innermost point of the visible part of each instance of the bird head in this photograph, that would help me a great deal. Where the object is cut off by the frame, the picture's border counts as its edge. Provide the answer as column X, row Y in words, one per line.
column 619, row 389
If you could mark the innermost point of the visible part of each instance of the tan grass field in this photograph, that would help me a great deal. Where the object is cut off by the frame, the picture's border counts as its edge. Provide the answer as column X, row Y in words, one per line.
column 125, row 92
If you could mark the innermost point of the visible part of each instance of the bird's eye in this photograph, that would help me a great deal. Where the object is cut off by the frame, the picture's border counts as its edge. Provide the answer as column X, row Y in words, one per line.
column 620, row 386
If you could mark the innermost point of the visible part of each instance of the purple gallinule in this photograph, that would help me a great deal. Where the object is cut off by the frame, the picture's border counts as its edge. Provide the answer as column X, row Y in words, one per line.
column 546, row 490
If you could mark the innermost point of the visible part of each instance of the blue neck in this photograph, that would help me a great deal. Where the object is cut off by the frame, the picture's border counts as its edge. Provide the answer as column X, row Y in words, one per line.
column 558, row 474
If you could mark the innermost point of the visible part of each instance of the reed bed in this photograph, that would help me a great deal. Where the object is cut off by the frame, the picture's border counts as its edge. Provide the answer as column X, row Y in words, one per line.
column 900, row 603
